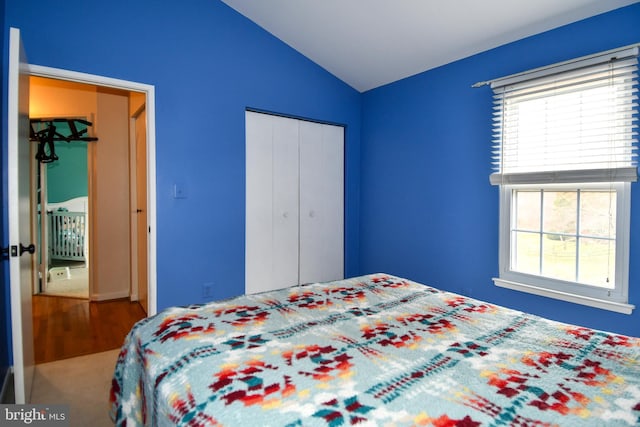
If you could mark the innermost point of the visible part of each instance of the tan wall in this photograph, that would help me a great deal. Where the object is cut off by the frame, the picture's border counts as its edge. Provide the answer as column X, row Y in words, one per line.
column 56, row 98
column 111, row 184
column 109, row 170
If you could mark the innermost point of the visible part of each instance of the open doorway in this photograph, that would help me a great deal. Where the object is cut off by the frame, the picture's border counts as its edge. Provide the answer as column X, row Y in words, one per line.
column 61, row 122
column 106, row 274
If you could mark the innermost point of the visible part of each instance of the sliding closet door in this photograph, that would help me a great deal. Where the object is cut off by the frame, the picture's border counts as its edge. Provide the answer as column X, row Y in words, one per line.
column 271, row 202
column 321, row 202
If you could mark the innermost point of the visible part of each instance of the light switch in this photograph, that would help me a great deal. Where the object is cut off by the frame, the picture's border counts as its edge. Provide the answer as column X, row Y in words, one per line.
column 179, row 191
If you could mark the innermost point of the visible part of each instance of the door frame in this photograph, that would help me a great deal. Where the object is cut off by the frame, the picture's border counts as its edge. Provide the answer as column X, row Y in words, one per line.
column 149, row 91
column 40, row 281
column 133, row 196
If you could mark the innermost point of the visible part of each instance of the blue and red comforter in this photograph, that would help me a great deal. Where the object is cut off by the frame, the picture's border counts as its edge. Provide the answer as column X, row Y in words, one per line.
column 371, row 351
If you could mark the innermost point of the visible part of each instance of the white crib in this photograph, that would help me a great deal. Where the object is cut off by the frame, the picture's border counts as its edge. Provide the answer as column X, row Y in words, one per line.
column 68, row 230
column 66, row 235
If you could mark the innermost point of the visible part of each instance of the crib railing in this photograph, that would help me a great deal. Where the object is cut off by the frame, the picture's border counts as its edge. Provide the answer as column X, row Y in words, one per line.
column 67, row 235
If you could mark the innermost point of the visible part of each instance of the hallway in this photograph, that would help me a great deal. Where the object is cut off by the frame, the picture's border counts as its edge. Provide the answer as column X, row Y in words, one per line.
column 70, row 327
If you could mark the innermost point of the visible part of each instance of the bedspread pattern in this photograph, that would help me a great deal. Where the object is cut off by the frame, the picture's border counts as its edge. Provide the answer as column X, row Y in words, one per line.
column 373, row 350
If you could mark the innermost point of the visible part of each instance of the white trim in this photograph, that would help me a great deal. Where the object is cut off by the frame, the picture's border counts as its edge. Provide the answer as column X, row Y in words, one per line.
column 626, row 174
column 608, row 299
column 564, row 296
column 92, row 79
column 623, row 222
column 149, row 90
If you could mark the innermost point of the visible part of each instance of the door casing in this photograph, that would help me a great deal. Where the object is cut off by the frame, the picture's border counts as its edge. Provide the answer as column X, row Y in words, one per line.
column 138, row 194
column 149, row 92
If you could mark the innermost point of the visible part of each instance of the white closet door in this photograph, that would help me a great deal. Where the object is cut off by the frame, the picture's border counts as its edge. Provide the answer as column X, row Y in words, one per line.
column 271, row 253
column 321, row 202
column 284, row 191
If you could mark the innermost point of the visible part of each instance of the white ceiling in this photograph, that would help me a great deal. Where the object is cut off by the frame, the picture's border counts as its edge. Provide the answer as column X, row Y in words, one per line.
column 369, row 43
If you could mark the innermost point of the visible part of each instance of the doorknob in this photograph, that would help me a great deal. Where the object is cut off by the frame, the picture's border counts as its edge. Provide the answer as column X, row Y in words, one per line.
column 31, row 249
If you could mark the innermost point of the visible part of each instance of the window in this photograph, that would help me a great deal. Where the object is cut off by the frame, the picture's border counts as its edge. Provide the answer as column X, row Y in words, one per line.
column 564, row 157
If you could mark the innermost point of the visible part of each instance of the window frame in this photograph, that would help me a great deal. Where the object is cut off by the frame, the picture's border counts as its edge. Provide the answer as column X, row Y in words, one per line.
column 615, row 299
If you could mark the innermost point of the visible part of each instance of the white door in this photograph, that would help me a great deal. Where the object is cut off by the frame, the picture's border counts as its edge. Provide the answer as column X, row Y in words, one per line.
column 284, row 195
column 139, row 227
column 294, row 202
column 19, row 218
column 271, row 247
column 321, row 202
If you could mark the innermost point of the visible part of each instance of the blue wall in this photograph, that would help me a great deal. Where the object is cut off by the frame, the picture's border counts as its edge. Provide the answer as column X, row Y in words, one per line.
column 207, row 63
column 429, row 212
column 418, row 198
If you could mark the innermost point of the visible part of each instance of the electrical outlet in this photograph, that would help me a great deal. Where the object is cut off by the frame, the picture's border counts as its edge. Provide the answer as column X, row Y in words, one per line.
column 207, row 290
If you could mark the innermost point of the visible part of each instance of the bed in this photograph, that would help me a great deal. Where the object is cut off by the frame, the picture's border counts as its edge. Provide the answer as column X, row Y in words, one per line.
column 376, row 350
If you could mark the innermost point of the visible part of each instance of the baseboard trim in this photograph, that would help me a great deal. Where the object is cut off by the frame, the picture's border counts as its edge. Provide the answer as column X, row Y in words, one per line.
column 110, row 296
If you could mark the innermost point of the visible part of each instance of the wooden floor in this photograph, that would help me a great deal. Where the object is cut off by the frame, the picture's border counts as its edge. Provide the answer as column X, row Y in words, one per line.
column 69, row 327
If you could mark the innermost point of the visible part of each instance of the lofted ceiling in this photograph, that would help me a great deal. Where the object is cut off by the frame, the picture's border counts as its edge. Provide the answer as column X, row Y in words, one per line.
column 369, row 43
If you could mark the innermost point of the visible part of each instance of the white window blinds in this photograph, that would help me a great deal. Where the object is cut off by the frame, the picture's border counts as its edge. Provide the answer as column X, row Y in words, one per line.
column 571, row 122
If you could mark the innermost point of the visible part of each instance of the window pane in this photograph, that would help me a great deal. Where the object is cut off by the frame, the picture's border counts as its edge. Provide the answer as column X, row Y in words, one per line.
column 597, row 262
column 526, row 256
column 527, row 210
column 598, row 213
column 559, row 214
column 559, row 257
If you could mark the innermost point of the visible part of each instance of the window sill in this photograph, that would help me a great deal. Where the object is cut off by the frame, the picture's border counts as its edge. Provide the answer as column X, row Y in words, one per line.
column 618, row 307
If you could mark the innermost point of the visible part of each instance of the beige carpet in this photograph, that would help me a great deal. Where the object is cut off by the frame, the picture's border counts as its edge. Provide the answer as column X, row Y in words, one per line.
column 68, row 282
column 81, row 382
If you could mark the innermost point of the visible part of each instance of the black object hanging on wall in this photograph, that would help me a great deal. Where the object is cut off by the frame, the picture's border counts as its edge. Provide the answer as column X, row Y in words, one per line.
column 46, row 131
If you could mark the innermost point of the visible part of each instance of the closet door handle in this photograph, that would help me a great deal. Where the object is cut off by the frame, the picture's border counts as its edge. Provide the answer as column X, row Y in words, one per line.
column 285, row 214
column 312, row 214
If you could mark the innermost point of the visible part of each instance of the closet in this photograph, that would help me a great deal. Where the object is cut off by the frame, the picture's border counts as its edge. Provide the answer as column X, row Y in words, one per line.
column 294, row 202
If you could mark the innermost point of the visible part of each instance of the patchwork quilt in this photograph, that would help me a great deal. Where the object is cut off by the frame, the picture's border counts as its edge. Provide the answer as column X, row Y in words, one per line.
column 376, row 350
